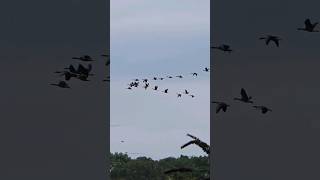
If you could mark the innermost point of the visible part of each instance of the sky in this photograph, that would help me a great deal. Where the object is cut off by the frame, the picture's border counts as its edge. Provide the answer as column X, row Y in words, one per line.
column 282, row 144
column 159, row 38
column 48, row 132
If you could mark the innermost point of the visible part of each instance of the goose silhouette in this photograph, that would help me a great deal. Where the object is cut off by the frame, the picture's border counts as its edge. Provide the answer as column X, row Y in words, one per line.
column 269, row 38
column 83, row 58
column 221, row 106
column 223, row 47
column 263, row 109
column 308, row 26
column 244, row 97
column 204, row 146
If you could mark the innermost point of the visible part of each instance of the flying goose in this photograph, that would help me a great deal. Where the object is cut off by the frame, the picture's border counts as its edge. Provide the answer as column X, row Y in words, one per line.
column 269, row 38
column 204, row 146
column 221, row 105
column 223, row 47
column 308, row 26
column 61, row 84
column 263, row 109
column 244, row 97
column 83, row 58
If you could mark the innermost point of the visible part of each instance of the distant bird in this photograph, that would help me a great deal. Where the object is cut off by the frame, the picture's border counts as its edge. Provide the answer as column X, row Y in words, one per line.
column 136, row 84
column 136, row 79
column 221, row 105
column 191, row 95
column 223, row 47
column 129, row 88
column 122, row 141
column 146, row 86
column 83, row 58
column 178, row 170
column 186, row 91
column 145, row 80
column 179, row 95
column 308, row 26
column 169, row 77
column 155, row 78
column 82, row 70
column 263, row 109
column 61, row 84
column 67, row 75
column 269, row 38
column 155, row 88
column 83, row 77
column 179, row 76
column 194, row 74
column 72, row 69
column 161, row 78
column 244, row 97
column 204, row 146
column 166, row 90
column 206, row 69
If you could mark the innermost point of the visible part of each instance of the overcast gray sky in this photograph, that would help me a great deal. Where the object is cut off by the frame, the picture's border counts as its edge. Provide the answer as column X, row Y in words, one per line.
column 283, row 144
column 159, row 38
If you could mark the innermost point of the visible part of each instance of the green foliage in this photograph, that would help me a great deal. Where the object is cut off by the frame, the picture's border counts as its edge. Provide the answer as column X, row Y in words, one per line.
column 143, row 168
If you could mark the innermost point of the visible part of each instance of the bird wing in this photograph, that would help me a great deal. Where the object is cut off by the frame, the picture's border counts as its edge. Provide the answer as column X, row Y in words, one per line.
column 218, row 108
column 267, row 41
column 307, row 23
column 244, row 94
column 277, row 42
column 187, row 144
column 193, row 137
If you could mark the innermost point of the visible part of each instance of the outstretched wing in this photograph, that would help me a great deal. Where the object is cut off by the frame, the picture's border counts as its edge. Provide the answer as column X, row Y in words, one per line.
column 244, row 94
column 187, row 144
column 218, row 108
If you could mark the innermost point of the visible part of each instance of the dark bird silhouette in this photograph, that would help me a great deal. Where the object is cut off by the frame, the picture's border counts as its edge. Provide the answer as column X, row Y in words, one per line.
column 166, row 90
column 182, row 170
column 223, row 47
column 244, row 97
column 83, row 58
column 186, row 91
column 204, row 146
column 72, row 69
column 308, row 26
column 146, row 86
column 83, row 70
column 269, row 38
column 145, row 80
column 136, row 84
column 61, row 84
column 191, row 95
column 67, row 75
column 179, row 76
column 155, row 88
column 155, row 78
column 129, row 88
column 179, row 95
column 221, row 105
column 122, row 141
column 161, row 78
column 263, row 109
column 169, row 77
column 194, row 74
column 206, row 69
column 136, row 79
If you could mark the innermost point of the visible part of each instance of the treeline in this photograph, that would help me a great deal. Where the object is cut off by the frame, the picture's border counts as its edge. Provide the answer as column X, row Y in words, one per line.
column 144, row 168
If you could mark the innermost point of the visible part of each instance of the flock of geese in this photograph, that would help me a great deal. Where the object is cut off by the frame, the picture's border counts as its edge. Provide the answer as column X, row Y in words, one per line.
column 146, row 83
column 308, row 27
column 82, row 72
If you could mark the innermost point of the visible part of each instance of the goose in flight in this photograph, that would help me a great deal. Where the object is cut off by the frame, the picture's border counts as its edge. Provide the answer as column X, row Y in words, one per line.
column 72, row 69
column 136, row 79
column 161, row 78
column 186, row 91
column 263, row 109
column 269, row 38
column 191, row 95
column 178, row 170
column 223, row 47
column 206, row 69
column 194, row 74
column 179, row 76
column 129, row 88
column 61, row 84
column 146, row 86
column 308, row 26
column 145, row 80
column 204, row 146
column 166, row 91
column 244, row 97
column 67, row 75
column 169, row 77
column 221, row 105
column 179, row 95
column 83, row 70
column 155, row 88
column 155, row 78
column 83, row 58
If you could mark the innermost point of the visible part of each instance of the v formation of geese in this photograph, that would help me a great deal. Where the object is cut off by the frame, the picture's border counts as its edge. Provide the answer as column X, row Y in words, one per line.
column 82, row 72
column 146, row 83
